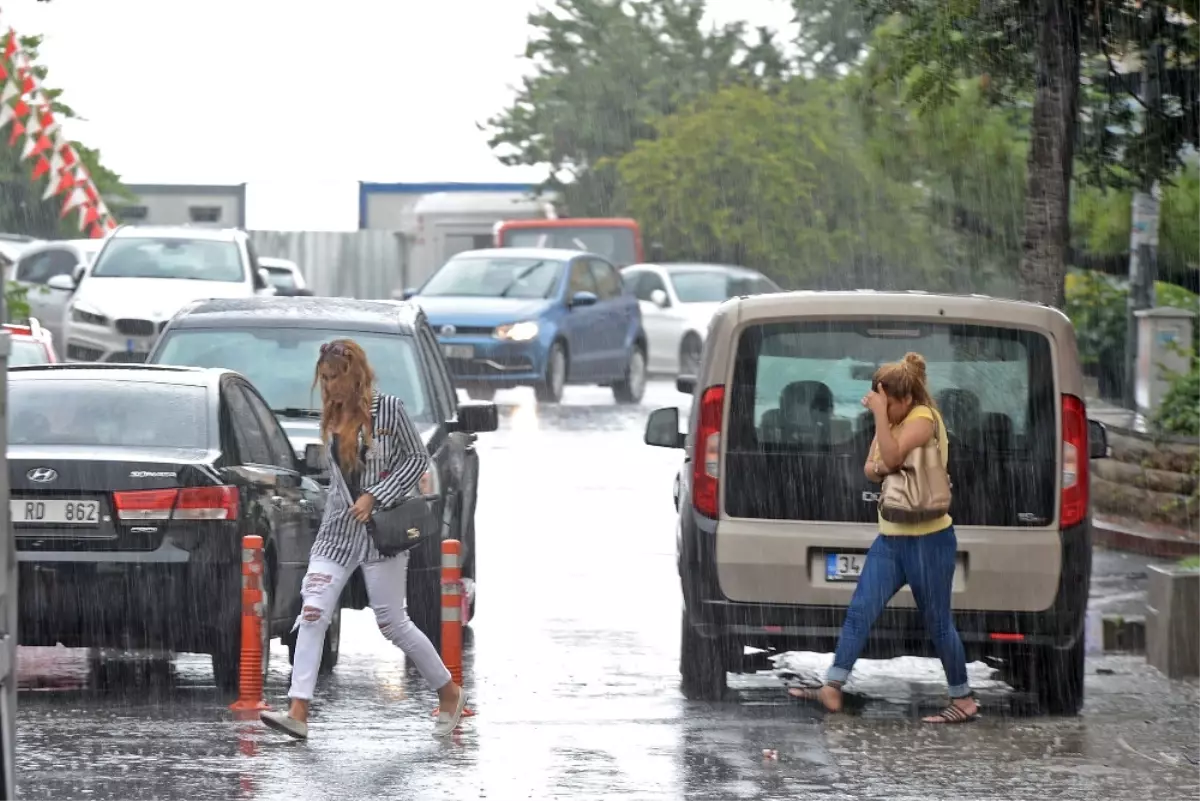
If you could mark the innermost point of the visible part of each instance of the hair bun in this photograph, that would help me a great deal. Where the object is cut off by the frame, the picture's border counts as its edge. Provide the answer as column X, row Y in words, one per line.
column 916, row 363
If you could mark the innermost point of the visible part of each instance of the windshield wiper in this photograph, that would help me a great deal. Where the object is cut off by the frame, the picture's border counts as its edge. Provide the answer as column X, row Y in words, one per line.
column 523, row 275
column 293, row 411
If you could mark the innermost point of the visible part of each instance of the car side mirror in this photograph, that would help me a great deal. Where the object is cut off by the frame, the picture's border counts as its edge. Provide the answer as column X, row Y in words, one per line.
column 62, row 282
column 314, row 458
column 659, row 298
column 662, row 429
column 78, row 273
column 1097, row 440
column 581, row 299
column 686, row 384
column 262, row 278
column 408, row 292
column 477, row 417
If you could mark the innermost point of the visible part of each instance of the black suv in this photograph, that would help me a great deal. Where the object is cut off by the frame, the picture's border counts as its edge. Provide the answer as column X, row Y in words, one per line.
column 274, row 342
column 131, row 490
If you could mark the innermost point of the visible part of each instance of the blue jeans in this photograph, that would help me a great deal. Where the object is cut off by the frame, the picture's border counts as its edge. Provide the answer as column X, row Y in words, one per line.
column 926, row 564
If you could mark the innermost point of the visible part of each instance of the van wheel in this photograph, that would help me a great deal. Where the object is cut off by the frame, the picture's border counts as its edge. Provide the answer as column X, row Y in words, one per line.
column 632, row 385
column 1054, row 677
column 701, row 665
column 550, row 389
column 425, row 603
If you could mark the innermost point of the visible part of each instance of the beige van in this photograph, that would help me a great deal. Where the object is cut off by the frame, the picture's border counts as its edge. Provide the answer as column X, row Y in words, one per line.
column 776, row 516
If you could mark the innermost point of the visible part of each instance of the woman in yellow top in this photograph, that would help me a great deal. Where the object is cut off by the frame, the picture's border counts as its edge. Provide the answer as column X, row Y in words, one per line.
column 921, row 555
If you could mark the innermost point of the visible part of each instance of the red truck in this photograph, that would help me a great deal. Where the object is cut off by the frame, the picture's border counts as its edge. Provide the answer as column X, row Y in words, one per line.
column 619, row 239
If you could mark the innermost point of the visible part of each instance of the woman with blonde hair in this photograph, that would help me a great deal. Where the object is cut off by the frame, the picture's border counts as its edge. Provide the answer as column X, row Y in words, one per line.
column 376, row 458
column 921, row 553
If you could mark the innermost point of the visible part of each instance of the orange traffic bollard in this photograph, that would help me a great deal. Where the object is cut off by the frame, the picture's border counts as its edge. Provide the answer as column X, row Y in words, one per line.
column 250, row 675
column 452, row 613
column 452, row 625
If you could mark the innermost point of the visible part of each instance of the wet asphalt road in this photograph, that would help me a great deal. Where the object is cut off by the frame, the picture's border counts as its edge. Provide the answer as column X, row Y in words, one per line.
column 572, row 669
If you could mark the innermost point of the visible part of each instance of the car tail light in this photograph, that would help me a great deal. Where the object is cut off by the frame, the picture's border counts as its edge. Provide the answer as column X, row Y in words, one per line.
column 188, row 503
column 706, row 456
column 1074, row 462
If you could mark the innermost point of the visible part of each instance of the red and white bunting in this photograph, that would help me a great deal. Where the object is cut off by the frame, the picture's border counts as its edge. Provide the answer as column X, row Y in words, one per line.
column 25, row 106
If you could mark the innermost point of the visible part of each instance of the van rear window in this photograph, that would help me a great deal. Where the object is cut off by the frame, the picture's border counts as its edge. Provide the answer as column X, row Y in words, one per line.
column 798, row 435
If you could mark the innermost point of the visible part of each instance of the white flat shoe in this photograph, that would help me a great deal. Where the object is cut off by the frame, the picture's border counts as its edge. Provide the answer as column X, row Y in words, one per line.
column 447, row 720
column 282, row 722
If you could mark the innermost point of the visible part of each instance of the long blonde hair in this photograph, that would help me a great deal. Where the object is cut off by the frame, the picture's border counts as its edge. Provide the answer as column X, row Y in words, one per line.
column 345, row 419
column 905, row 379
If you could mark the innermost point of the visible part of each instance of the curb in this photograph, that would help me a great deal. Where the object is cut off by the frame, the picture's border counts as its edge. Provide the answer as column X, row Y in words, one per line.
column 1119, row 538
column 1124, row 634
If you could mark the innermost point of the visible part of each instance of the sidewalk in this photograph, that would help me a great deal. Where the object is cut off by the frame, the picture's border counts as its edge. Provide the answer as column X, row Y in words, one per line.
column 1134, row 536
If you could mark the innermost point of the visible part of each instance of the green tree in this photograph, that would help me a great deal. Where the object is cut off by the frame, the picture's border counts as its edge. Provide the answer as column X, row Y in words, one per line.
column 604, row 70
column 1046, row 47
column 779, row 181
column 833, row 34
column 22, row 208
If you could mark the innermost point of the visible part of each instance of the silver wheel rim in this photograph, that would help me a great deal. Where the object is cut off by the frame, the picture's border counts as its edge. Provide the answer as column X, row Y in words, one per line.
column 334, row 634
column 266, row 634
column 557, row 372
column 637, row 374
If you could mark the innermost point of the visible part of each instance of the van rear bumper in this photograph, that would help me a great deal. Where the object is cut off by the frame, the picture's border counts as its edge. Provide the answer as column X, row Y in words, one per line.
column 898, row 632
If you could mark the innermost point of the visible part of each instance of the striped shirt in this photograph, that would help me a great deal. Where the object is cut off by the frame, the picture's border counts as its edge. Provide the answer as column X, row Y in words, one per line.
column 395, row 461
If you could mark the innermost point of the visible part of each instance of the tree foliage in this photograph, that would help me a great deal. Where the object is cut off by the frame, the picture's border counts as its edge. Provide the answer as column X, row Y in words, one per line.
column 604, row 71
column 778, row 181
column 22, row 208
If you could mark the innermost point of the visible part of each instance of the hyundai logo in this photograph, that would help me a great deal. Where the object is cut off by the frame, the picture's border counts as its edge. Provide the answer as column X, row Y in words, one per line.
column 448, row 330
column 43, row 475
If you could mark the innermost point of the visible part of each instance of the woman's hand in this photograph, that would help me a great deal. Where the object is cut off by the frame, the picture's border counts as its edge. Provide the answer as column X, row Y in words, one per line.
column 361, row 510
column 875, row 401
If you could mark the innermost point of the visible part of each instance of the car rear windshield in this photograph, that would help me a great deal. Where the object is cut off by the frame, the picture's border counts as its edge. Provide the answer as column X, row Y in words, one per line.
column 713, row 286
column 195, row 259
column 105, row 412
column 798, row 435
column 616, row 243
column 26, row 351
column 281, row 362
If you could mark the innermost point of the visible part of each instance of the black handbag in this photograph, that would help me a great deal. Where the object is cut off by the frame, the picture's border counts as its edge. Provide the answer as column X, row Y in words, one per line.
column 405, row 525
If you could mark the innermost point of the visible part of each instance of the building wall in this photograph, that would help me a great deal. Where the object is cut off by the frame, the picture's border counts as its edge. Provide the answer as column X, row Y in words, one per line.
column 182, row 204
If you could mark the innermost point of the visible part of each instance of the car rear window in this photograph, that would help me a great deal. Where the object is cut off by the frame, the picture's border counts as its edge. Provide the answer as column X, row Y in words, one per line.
column 281, row 362
column 26, row 352
column 798, row 434
column 96, row 412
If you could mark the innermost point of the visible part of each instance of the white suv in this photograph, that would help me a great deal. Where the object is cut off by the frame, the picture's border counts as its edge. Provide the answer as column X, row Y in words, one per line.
column 141, row 277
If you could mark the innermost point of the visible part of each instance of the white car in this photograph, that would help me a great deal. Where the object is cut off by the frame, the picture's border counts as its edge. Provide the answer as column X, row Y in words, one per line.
column 678, row 301
column 40, row 262
column 141, row 277
column 284, row 275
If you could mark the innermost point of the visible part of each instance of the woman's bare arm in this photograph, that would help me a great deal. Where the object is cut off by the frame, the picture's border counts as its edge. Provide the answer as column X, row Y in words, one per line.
column 869, row 465
column 892, row 449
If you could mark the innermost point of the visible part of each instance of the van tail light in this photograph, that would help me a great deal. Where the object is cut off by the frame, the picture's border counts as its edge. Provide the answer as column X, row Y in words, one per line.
column 706, row 457
column 1074, row 462
column 188, row 503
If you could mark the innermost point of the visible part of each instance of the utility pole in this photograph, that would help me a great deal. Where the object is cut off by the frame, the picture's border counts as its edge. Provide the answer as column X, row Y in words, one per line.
column 1143, row 233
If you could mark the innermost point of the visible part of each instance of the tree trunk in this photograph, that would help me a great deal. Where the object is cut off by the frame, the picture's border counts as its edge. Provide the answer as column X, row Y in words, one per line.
column 1046, row 237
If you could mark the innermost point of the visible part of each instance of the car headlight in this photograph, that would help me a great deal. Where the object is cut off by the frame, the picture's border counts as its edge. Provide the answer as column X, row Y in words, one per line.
column 83, row 314
column 518, row 332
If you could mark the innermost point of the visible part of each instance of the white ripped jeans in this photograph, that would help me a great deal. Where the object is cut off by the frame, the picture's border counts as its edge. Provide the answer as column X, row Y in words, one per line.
column 386, row 582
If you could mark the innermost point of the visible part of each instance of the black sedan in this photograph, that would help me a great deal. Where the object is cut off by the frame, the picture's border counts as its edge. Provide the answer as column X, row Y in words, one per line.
column 275, row 342
column 131, row 490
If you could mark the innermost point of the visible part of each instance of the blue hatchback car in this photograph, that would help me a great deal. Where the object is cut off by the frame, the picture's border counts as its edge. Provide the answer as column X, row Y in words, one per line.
column 536, row 317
